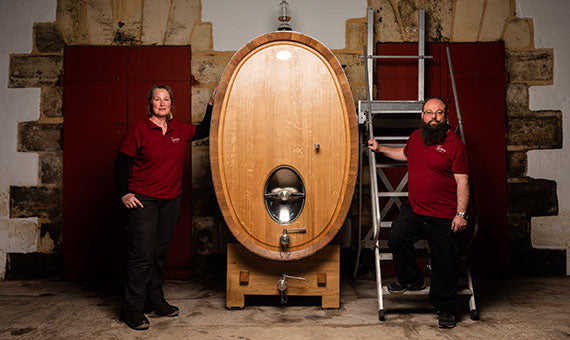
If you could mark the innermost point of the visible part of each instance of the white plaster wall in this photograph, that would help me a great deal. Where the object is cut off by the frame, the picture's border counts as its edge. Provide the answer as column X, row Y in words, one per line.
column 552, row 30
column 235, row 23
column 17, row 105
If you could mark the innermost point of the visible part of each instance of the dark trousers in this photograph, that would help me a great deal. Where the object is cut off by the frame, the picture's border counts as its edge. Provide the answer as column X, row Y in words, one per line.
column 151, row 230
column 407, row 229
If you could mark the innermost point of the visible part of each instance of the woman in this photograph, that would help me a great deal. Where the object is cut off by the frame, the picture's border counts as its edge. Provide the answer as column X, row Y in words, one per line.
column 148, row 172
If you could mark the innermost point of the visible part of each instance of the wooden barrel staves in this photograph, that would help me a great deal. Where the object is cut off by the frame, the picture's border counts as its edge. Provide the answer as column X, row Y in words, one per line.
column 283, row 146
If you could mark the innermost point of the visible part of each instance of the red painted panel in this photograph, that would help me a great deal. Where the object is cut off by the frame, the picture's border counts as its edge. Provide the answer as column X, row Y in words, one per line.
column 480, row 78
column 101, row 95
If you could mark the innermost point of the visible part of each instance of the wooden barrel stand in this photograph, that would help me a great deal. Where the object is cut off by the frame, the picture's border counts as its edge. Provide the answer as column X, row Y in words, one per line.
column 249, row 274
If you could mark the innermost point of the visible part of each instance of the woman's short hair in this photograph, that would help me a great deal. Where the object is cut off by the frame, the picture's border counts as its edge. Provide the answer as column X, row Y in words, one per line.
column 151, row 95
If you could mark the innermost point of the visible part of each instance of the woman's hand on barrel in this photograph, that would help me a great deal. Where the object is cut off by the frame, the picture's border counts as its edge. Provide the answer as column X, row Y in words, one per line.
column 130, row 201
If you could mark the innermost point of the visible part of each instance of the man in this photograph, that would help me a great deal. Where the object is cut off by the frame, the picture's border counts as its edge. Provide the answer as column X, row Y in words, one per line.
column 438, row 183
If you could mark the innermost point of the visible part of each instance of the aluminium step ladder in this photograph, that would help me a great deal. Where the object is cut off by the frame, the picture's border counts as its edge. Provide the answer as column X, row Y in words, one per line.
column 398, row 114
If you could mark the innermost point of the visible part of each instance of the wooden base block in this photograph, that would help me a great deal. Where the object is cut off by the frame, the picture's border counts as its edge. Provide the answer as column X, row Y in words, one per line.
column 321, row 273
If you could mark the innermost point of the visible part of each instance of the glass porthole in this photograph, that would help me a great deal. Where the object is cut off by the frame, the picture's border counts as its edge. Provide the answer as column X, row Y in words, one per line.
column 284, row 195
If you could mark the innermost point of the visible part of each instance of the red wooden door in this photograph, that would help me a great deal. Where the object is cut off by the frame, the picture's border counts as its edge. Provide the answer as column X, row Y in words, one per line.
column 480, row 78
column 105, row 89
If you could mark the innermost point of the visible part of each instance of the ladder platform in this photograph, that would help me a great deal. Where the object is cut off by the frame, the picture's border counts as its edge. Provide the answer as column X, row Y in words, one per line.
column 391, row 106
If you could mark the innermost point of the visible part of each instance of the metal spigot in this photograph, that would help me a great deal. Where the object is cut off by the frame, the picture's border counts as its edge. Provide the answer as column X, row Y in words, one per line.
column 285, row 239
column 283, row 284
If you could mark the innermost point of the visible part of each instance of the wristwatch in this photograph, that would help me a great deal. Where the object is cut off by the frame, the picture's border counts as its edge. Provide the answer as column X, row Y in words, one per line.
column 462, row 214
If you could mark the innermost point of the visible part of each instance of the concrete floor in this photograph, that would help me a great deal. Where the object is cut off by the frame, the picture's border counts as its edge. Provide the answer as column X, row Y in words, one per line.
column 522, row 308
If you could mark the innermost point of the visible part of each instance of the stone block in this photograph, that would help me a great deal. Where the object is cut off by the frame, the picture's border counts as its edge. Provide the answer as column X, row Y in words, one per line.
column 353, row 67
column 523, row 258
column 518, row 231
column 71, row 17
column 517, row 164
column 128, row 22
column 42, row 202
column 203, row 238
column 200, row 98
column 4, row 204
column 100, row 21
column 439, row 14
column 518, row 34
column 546, row 262
column 201, row 39
column 34, row 136
column 533, row 197
column 408, row 10
column 496, row 14
column 358, row 93
column 184, row 14
column 33, row 266
column 52, row 101
column 18, row 235
column 386, row 26
column 50, row 236
column 51, row 167
column 356, row 32
column 154, row 21
column 208, row 68
column 517, row 99
column 467, row 20
column 533, row 67
column 2, row 265
column 48, row 38
column 204, row 202
column 543, row 130
column 35, row 70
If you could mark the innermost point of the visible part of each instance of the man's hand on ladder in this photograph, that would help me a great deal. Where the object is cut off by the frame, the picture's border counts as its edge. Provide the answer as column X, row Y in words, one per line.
column 373, row 145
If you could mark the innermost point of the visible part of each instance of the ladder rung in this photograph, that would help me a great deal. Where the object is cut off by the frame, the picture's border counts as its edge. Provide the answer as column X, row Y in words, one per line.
column 392, row 138
column 425, row 291
column 393, row 194
column 420, row 245
column 393, row 165
column 398, row 56
column 386, row 111
column 394, row 145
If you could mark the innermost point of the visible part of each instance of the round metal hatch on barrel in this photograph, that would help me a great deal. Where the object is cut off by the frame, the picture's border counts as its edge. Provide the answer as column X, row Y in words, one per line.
column 283, row 146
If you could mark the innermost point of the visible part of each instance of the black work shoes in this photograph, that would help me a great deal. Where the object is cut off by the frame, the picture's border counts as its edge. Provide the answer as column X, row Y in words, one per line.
column 136, row 320
column 161, row 309
column 445, row 320
column 398, row 288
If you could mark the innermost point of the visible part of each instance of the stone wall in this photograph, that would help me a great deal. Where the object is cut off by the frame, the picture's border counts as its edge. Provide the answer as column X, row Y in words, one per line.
column 178, row 22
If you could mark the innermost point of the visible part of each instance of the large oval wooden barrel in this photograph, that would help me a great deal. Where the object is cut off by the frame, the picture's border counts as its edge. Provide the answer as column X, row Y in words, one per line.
column 283, row 145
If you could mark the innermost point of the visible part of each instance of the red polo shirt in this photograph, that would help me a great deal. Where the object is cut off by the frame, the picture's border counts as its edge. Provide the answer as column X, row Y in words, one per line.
column 158, row 159
column 432, row 186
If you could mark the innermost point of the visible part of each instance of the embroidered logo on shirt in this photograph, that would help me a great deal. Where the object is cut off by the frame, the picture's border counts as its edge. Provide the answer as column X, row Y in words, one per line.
column 175, row 140
column 440, row 148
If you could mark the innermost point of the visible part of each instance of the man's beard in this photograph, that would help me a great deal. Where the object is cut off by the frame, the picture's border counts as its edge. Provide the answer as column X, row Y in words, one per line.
column 436, row 134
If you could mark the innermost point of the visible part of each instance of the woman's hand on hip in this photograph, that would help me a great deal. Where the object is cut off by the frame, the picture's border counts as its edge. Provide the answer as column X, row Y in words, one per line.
column 130, row 201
